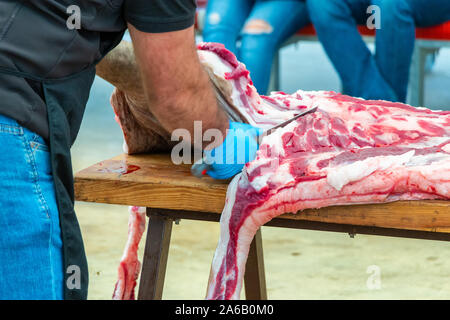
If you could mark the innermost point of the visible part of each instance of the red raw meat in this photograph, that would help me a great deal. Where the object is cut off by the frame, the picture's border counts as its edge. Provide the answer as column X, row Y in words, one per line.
column 130, row 267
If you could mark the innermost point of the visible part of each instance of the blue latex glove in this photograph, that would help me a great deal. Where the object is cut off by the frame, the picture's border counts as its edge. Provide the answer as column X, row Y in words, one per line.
column 238, row 148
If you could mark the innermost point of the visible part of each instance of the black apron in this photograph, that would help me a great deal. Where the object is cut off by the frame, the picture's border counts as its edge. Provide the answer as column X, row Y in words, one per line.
column 66, row 99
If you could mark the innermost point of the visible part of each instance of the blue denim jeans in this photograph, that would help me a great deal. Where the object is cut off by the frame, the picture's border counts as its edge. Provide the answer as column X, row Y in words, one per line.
column 31, row 261
column 384, row 75
column 226, row 23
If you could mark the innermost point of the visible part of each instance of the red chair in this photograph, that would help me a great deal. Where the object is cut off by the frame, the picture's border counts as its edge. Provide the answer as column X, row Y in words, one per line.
column 440, row 32
column 428, row 40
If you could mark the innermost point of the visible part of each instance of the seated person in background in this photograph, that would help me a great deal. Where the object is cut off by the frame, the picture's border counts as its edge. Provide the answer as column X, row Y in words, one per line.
column 260, row 25
column 384, row 75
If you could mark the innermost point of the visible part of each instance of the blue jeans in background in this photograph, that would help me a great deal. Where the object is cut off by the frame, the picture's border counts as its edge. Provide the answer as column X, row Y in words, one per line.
column 384, row 75
column 226, row 23
column 31, row 260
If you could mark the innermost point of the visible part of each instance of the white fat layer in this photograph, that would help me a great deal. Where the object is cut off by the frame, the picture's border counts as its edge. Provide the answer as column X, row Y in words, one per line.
column 260, row 182
column 429, row 142
column 259, row 161
column 342, row 175
column 426, row 159
column 280, row 175
column 219, row 66
column 236, row 95
column 275, row 142
column 446, row 148
column 283, row 176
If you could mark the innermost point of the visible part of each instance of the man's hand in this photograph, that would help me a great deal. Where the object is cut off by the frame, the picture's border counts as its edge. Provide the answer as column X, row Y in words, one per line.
column 178, row 90
column 238, row 148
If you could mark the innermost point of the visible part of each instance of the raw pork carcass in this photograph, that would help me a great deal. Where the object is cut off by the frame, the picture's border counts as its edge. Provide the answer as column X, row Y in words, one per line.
column 350, row 151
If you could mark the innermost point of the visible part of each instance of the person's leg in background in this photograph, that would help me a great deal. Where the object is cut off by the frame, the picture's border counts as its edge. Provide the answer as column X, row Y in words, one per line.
column 395, row 40
column 336, row 25
column 224, row 21
column 269, row 24
column 31, row 258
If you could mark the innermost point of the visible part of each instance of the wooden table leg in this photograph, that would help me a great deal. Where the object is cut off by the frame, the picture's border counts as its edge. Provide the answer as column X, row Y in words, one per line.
column 155, row 257
column 255, row 277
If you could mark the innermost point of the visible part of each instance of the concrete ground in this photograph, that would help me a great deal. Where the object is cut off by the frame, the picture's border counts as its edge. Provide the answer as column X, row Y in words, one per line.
column 299, row 264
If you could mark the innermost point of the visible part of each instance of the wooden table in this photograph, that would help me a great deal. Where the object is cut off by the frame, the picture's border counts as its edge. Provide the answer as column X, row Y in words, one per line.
column 171, row 193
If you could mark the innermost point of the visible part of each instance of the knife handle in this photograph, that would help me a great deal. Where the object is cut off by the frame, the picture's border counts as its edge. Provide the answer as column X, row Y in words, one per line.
column 200, row 168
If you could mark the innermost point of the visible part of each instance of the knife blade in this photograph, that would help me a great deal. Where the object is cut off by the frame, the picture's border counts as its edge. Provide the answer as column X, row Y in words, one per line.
column 281, row 125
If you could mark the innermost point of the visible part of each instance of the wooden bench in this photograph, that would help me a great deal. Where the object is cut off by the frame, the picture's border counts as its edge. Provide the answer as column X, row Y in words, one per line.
column 428, row 40
column 171, row 193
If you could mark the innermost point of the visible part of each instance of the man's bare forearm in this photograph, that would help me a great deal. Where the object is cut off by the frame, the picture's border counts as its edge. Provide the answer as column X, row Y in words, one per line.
column 178, row 90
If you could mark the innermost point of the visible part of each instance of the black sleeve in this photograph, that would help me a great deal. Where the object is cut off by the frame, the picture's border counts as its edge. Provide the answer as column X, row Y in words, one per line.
column 156, row 16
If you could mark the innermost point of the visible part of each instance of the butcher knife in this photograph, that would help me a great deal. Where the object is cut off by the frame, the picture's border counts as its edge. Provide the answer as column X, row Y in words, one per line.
column 200, row 168
column 284, row 124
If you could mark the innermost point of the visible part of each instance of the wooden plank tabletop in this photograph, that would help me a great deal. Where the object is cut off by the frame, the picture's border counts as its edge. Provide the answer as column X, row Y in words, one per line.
column 154, row 181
